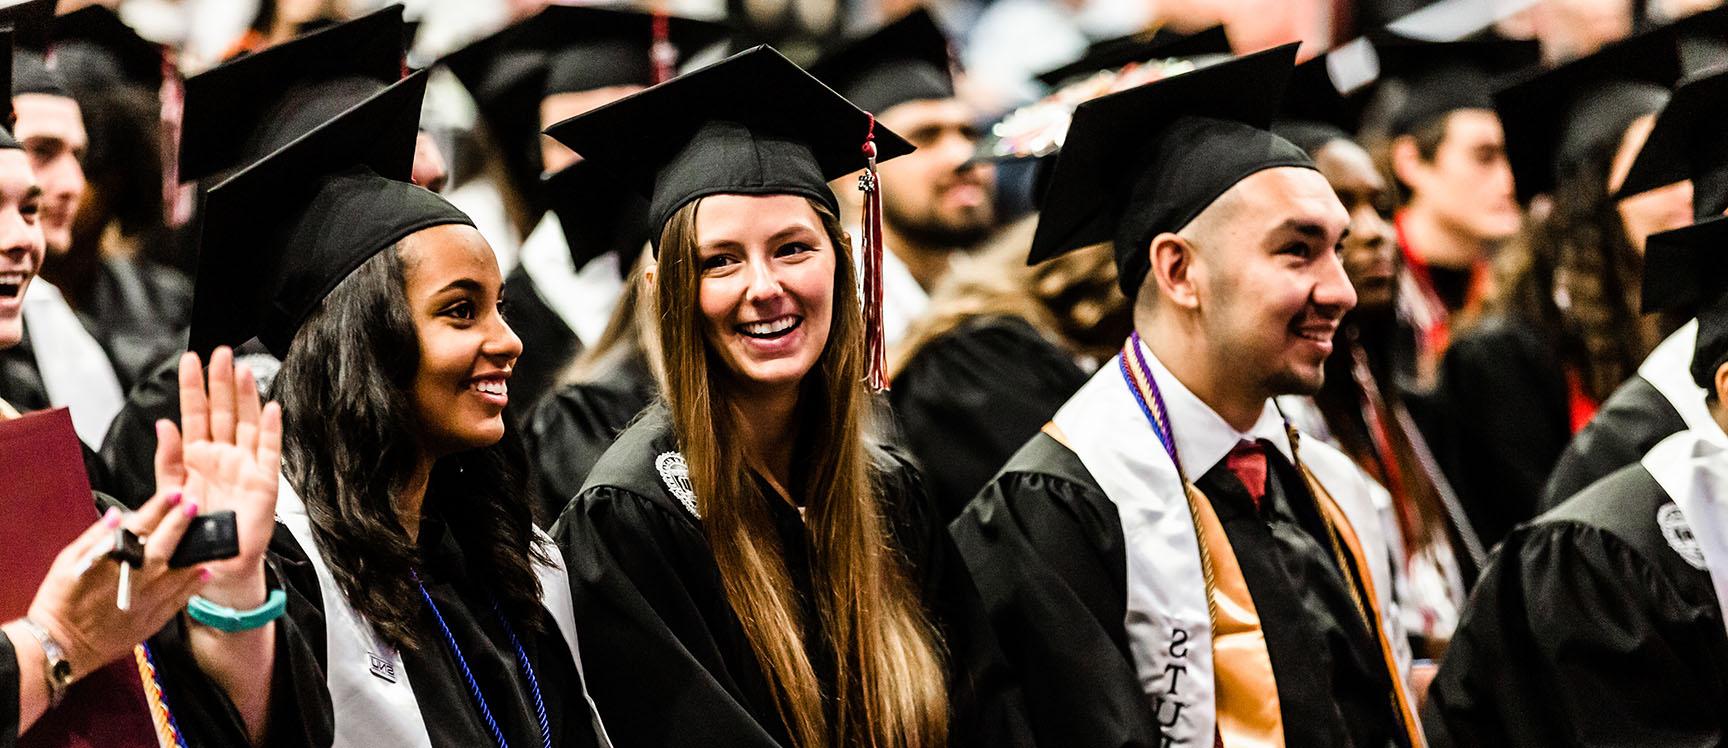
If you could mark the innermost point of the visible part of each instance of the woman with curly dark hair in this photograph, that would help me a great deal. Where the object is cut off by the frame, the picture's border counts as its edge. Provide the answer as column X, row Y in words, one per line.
column 405, row 598
column 1562, row 329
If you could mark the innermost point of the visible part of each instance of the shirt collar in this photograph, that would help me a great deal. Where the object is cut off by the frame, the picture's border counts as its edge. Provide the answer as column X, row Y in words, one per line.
column 1202, row 436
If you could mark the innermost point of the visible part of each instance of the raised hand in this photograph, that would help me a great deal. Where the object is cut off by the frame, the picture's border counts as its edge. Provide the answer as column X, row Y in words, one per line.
column 226, row 455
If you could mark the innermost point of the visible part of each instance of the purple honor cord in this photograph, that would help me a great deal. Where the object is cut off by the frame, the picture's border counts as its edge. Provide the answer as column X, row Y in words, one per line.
column 474, row 686
column 1159, row 419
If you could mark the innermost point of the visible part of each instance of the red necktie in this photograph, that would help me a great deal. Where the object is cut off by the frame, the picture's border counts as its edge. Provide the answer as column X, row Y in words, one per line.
column 1248, row 462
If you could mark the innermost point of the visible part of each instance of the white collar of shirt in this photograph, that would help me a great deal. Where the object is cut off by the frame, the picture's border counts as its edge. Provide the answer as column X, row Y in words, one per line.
column 584, row 298
column 1202, row 436
column 75, row 370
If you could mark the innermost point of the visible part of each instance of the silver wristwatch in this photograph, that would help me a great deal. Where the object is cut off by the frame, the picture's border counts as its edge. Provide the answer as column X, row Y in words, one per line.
column 59, row 670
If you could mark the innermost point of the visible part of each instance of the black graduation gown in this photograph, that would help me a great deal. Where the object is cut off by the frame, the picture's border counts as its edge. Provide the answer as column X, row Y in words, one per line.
column 971, row 397
column 139, row 312
column 569, row 430
column 1587, row 629
column 1045, row 545
column 1632, row 420
column 1506, row 391
column 548, row 345
column 667, row 659
column 301, row 713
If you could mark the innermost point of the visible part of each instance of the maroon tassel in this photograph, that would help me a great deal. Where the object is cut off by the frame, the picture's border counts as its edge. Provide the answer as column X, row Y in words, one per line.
column 875, row 355
column 664, row 55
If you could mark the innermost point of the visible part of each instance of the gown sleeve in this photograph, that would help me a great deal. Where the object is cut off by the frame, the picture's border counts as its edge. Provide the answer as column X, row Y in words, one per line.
column 656, row 672
column 1573, row 637
column 300, row 712
column 1048, row 560
column 1630, row 422
column 969, row 399
column 566, row 434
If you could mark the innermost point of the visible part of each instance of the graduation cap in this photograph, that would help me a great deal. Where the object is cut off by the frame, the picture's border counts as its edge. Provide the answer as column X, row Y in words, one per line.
column 589, row 47
column 596, row 216
column 253, row 105
column 32, row 25
column 906, row 60
column 751, row 124
column 1685, row 269
column 1154, row 44
column 1563, row 122
column 1444, row 77
column 279, row 235
column 1687, row 143
column 97, row 31
column 1332, row 88
column 1148, row 160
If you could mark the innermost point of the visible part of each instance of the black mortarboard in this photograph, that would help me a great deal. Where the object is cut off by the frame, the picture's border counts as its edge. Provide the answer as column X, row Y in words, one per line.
column 253, row 105
column 1332, row 88
column 906, row 60
column 1565, row 122
column 1155, row 44
column 752, row 124
column 32, row 25
column 596, row 216
column 1686, row 269
column 506, row 76
column 94, row 29
column 281, row 234
column 1149, row 159
column 589, row 47
column 1444, row 77
column 1687, row 143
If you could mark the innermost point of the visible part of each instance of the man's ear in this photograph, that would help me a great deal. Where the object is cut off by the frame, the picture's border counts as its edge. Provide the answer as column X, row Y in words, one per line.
column 1407, row 161
column 1720, row 382
column 1173, row 269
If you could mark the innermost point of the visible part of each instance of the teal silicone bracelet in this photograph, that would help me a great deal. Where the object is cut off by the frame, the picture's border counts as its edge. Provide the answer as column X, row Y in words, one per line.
column 228, row 620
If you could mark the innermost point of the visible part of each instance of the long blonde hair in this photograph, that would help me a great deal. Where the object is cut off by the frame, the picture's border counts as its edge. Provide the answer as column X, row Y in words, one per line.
column 889, row 668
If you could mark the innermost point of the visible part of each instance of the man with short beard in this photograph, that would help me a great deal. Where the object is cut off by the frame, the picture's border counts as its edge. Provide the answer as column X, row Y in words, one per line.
column 940, row 199
column 1169, row 561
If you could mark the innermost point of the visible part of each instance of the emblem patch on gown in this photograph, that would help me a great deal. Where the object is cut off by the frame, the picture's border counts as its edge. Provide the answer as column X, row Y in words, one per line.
column 1679, row 535
column 675, row 472
column 382, row 667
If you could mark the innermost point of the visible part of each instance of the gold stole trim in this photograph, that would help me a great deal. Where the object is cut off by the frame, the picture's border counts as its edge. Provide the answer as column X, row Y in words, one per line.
column 1342, row 531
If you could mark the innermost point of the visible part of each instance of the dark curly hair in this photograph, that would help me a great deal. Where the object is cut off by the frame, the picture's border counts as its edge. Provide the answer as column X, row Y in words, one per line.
column 349, row 449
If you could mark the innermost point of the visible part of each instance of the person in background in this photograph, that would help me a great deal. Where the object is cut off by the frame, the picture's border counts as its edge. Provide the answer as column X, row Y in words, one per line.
column 1601, row 623
column 1361, row 406
column 1680, row 153
column 939, row 201
column 59, row 362
column 749, row 566
column 1446, row 153
column 1562, row 328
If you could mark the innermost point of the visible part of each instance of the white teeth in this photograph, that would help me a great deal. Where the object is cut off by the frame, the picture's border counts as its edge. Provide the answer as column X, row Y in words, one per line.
column 12, row 278
column 769, row 327
column 493, row 387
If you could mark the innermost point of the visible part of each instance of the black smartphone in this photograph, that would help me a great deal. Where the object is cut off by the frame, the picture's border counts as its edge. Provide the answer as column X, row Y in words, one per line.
column 210, row 537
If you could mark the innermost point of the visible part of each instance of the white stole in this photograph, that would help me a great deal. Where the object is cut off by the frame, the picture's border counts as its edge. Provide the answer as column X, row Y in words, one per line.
column 1169, row 631
column 369, row 690
column 75, row 371
column 584, row 298
column 1668, row 369
column 1692, row 467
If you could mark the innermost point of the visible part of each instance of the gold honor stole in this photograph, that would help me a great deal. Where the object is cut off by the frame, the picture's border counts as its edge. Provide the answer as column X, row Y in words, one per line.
column 1246, row 694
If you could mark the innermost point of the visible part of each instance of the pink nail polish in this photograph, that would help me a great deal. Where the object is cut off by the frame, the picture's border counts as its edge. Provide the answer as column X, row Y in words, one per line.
column 111, row 518
column 174, row 499
column 204, row 575
column 192, row 509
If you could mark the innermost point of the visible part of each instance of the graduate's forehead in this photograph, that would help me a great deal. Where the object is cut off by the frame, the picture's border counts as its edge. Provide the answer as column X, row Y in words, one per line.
column 1273, row 201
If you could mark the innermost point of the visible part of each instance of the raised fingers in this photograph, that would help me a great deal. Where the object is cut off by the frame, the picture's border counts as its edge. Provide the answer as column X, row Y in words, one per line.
column 170, row 460
column 246, row 409
column 194, row 407
column 147, row 517
column 270, row 441
column 222, row 396
column 160, row 546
